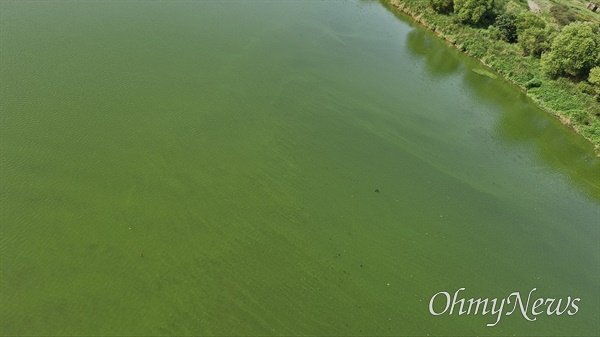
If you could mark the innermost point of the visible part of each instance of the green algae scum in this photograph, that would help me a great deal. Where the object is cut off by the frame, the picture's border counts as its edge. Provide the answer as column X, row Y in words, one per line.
column 277, row 168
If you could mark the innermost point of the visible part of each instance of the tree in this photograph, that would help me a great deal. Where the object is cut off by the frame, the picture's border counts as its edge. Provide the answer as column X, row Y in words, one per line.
column 574, row 51
column 513, row 7
column 529, row 19
column 442, row 6
column 534, row 33
column 507, row 26
column 535, row 41
column 471, row 11
column 594, row 77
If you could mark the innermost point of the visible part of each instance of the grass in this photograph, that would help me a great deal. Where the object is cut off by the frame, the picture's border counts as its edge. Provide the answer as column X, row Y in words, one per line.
column 578, row 7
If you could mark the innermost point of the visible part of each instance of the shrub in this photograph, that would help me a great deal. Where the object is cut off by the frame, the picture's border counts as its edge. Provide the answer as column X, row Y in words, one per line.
column 585, row 88
column 535, row 34
column 533, row 83
column 471, row 11
column 494, row 33
column 594, row 77
column 507, row 26
column 580, row 116
column 442, row 6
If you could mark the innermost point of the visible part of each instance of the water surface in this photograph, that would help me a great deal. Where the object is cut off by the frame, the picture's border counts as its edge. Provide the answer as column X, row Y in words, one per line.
column 177, row 168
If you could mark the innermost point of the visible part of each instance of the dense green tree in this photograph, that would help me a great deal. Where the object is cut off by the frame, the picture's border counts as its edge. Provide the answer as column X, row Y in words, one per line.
column 510, row 8
column 497, row 8
column 574, row 51
column 472, row 11
column 442, row 6
column 514, row 8
column 594, row 77
column 534, row 33
column 507, row 26
column 535, row 41
column 529, row 19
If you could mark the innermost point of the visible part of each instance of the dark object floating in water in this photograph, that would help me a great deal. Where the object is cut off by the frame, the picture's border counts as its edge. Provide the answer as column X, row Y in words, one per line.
column 377, row 190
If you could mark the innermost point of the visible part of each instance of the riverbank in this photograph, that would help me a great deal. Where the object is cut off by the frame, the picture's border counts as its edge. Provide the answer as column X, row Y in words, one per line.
column 572, row 103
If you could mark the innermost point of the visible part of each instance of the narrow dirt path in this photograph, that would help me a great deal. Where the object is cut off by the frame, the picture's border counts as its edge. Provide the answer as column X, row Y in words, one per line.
column 534, row 7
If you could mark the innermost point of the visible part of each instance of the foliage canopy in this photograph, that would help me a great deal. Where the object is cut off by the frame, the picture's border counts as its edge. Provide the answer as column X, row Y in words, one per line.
column 507, row 25
column 594, row 77
column 472, row 11
column 534, row 33
column 442, row 6
column 575, row 50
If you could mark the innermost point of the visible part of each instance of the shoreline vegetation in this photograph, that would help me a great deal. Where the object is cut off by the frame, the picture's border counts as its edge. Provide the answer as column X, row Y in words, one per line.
column 533, row 64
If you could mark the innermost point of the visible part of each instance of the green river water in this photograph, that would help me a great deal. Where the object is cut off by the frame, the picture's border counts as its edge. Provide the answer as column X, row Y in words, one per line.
column 269, row 168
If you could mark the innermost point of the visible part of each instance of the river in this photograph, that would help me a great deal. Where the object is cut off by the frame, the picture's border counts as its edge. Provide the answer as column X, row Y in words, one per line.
column 262, row 168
